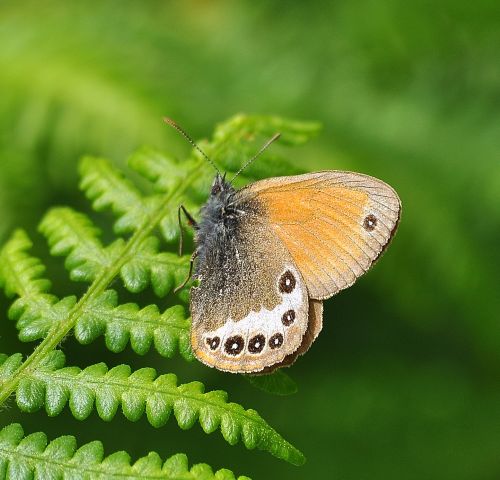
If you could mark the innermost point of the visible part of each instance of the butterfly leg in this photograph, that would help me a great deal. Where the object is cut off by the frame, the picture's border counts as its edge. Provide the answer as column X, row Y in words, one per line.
column 191, row 222
column 191, row 262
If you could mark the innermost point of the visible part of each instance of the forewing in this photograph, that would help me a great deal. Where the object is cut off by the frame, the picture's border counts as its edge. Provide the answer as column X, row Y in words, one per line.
column 334, row 224
column 250, row 308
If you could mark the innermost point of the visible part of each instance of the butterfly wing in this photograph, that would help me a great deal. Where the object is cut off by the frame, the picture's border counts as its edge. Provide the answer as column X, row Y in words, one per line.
column 250, row 308
column 334, row 224
column 314, row 326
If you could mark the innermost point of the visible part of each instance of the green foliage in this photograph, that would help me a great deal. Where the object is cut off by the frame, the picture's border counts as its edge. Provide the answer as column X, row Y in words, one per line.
column 277, row 383
column 138, row 259
column 73, row 234
column 407, row 91
column 168, row 331
column 36, row 310
column 31, row 456
column 143, row 392
column 108, row 188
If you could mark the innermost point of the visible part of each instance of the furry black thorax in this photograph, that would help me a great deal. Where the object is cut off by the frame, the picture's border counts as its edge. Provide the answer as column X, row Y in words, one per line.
column 218, row 226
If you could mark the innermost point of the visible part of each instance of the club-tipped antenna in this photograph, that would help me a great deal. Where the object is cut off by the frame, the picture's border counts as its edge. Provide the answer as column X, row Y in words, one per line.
column 170, row 122
column 248, row 162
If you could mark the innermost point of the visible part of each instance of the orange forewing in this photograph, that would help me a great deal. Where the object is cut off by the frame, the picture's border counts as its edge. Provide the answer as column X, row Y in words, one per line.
column 334, row 224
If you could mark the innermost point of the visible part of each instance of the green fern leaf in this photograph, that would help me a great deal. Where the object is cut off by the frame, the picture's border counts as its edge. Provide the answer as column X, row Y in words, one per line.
column 35, row 311
column 72, row 234
column 161, row 170
column 236, row 139
column 142, row 391
column 276, row 383
column 163, row 270
column 107, row 187
column 20, row 274
column 8, row 365
column 168, row 332
column 33, row 457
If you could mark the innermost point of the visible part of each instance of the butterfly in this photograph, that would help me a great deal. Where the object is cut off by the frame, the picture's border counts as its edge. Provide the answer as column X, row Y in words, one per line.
column 268, row 255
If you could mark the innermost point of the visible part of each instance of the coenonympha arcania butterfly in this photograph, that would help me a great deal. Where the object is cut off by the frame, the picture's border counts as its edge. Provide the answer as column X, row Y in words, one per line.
column 267, row 256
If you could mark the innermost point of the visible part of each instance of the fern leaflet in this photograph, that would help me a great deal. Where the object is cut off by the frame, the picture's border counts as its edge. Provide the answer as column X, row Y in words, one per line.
column 31, row 456
column 53, row 386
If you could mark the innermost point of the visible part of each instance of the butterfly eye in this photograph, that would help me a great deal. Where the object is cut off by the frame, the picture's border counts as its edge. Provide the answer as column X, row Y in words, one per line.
column 216, row 189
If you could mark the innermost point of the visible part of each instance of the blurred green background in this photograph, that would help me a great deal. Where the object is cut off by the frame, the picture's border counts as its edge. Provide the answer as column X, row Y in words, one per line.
column 403, row 383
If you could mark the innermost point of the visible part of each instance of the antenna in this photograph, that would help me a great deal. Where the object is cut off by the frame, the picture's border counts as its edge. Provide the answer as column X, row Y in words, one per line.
column 170, row 122
column 248, row 162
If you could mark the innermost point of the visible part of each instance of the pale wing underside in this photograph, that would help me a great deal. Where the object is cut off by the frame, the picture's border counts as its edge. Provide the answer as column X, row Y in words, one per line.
column 334, row 224
column 250, row 308
column 314, row 326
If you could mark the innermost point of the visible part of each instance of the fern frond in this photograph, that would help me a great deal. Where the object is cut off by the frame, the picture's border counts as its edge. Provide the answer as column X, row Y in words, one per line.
column 163, row 171
column 237, row 139
column 107, row 187
column 21, row 274
column 36, row 310
column 72, row 234
column 246, row 127
column 163, row 270
column 41, row 378
column 33, row 457
column 142, row 391
column 168, row 331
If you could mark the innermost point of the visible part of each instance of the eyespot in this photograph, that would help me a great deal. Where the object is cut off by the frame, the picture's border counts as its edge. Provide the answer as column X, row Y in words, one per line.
column 234, row 345
column 287, row 282
column 276, row 341
column 257, row 343
column 288, row 318
column 370, row 222
column 213, row 342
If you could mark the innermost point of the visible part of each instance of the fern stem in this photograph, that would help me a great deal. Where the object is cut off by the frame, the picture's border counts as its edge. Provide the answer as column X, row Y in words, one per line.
column 98, row 286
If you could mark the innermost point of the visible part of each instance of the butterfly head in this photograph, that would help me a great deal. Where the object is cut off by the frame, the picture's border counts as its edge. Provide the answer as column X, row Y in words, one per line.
column 220, row 187
column 219, row 203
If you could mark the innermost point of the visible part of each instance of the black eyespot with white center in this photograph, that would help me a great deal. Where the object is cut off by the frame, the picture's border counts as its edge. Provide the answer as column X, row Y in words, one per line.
column 213, row 343
column 257, row 343
column 276, row 341
column 370, row 222
column 288, row 318
column 287, row 282
column 234, row 345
